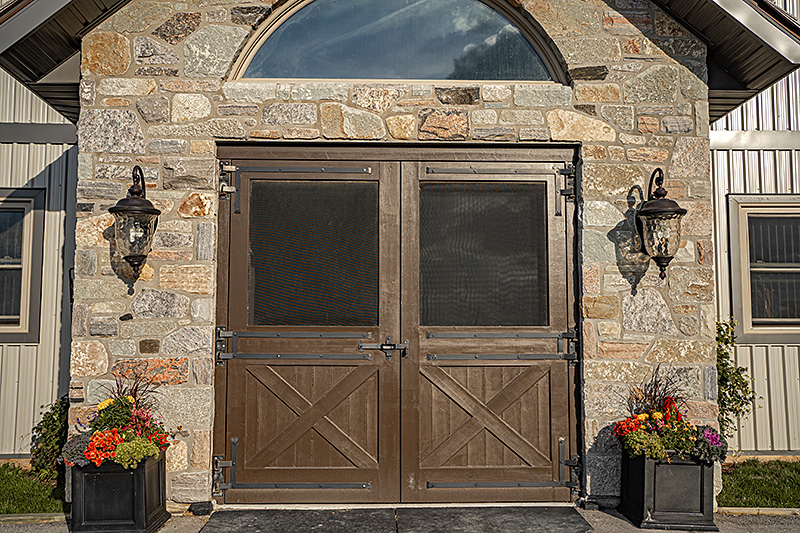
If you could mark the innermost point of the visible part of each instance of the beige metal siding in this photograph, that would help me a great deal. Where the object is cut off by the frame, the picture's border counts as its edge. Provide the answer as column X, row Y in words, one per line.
column 774, row 425
column 33, row 375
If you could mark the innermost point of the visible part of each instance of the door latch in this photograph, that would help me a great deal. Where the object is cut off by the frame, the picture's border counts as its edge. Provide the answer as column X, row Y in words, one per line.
column 386, row 347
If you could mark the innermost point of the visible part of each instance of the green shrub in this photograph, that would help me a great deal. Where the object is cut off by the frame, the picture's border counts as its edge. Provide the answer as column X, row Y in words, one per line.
column 133, row 450
column 20, row 493
column 735, row 388
column 49, row 435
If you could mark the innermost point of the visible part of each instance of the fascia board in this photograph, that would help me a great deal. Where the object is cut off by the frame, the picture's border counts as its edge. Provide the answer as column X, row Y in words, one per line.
column 28, row 19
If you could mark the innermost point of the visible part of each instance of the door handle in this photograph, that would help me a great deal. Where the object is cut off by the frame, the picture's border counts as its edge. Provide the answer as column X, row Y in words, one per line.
column 386, row 347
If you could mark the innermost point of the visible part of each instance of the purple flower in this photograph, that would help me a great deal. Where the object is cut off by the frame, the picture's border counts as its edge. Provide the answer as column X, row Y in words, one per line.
column 712, row 438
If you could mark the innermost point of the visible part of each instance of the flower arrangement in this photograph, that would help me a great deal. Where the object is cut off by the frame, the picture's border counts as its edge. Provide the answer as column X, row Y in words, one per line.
column 125, row 429
column 656, row 428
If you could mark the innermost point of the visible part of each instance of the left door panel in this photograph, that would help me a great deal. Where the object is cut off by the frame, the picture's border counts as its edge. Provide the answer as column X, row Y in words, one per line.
column 312, row 273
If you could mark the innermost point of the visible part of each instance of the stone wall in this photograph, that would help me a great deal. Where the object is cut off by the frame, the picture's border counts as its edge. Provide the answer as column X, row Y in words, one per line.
column 155, row 92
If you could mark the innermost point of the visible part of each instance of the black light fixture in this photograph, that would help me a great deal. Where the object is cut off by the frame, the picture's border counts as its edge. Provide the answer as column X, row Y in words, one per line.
column 660, row 223
column 135, row 222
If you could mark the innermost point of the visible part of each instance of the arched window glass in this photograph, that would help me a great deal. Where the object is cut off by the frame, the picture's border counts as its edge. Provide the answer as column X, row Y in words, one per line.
column 398, row 39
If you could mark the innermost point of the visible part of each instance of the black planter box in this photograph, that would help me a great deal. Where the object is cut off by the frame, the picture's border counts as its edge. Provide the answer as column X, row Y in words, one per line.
column 112, row 498
column 661, row 494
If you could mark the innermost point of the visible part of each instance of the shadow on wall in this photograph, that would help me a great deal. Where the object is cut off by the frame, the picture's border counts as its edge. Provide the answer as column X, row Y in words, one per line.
column 631, row 261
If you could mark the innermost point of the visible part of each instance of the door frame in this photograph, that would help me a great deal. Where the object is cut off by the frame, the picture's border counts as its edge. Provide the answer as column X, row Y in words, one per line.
column 385, row 153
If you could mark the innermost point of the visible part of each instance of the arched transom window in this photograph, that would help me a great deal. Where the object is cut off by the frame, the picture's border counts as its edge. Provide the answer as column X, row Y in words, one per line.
column 398, row 40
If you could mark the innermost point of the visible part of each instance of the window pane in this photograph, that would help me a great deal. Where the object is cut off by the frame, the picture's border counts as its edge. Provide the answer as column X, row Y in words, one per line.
column 774, row 239
column 397, row 39
column 11, row 236
column 10, row 295
column 314, row 253
column 483, row 254
column 775, row 297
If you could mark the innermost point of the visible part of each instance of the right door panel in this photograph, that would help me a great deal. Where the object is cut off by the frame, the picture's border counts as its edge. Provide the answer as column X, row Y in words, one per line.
column 486, row 285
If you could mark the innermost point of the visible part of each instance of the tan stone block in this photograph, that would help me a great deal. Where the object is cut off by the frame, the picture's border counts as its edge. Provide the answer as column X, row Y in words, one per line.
column 342, row 122
column 616, row 371
column 126, row 87
column 201, row 147
column 201, row 450
column 91, row 231
column 600, row 307
column 616, row 153
column 610, row 330
column 116, row 102
column 265, row 134
column 148, row 160
column 177, row 460
column 301, row 133
column 610, row 179
column 698, row 411
column 699, row 218
column 417, row 102
column 189, row 107
column 591, row 279
column 196, row 205
column 495, row 93
column 105, row 53
column 622, row 350
column 691, row 284
column 597, row 92
column 648, row 124
column 89, row 358
column 571, row 126
column 594, row 151
column 656, row 155
column 197, row 279
column 589, row 340
column 684, row 309
column 678, row 351
column 401, row 126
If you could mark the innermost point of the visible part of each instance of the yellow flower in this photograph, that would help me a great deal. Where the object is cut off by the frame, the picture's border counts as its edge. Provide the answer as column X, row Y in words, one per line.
column 130, row 399
column 643, row 416
column 105, row 403
column 657, row 415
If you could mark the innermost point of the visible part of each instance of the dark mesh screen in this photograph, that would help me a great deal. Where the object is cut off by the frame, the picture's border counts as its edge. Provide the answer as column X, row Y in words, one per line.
column 483, row 254
column 774, row 239
column 314, row 253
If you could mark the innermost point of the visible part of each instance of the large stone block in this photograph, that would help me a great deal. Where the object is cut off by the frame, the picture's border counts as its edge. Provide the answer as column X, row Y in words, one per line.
column 621, row 350
column 377, row 98
column 189, row 107
column 95, row 231
column 342, row 122
column 249, row 92
column 105, row 53
column 110, row 130
column 320, row 91
column 542, row 95
column 285, row 114
column 197, row 279
column 598, row 213
column 616, row 371
column 443, row 124
column 571, row 126
column 598, row 248
column 211, row 50
column 88, row 358
column 178, row 27
column 190, row 173
column 590, row 51
column 657, row 84
column 682, row 351
column 470, row 95
column 100, row 289
column 189, row 340
column 565, row 18
column 610, row 179
column 190, row 487
column 137, row 16
column 201, row 449
column 126, row 87
column 186, row 407
column 646, row 311
column 147, row 51
column 600, row 307
column 162, row 371
column 690, row 158
column 688, row 284
column 153, row 303
column 196, row 205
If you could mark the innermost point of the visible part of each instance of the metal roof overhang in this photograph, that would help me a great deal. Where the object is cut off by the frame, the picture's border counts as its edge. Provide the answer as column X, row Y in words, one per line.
column 751, row 45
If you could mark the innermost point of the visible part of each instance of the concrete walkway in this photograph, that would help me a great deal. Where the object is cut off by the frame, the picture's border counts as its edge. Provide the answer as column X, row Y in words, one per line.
column 433, row 520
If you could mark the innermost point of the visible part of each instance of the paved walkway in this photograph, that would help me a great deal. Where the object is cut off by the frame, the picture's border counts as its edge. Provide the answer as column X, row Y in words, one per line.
column 428, row 520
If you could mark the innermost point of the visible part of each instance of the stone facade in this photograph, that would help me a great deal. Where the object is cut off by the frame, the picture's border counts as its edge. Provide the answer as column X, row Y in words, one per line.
column 156, row 91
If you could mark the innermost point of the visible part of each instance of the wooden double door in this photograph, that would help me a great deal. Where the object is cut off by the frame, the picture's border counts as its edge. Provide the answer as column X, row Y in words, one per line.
column 394, row 326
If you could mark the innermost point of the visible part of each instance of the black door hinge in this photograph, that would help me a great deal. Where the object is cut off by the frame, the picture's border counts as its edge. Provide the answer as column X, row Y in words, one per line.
column 569, row 181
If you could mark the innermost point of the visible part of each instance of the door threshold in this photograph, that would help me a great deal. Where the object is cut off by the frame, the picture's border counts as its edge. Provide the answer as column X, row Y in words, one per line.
column 344, row 506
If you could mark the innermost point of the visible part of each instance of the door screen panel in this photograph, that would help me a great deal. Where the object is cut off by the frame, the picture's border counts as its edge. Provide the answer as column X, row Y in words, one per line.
column 313, row 253
column 483, row 254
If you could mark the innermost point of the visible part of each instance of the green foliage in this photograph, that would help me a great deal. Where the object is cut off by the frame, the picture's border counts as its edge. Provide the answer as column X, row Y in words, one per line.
column 133, row 450
column 644, row 443
column 49, row 435
column 710, row 445
column 735, row 388
column 756, row 484
column 21, row 492
column 72, row 453
column 678, row 436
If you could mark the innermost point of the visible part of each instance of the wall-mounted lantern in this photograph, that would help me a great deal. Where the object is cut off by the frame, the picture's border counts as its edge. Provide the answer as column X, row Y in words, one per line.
column 135, row 222
column 660, row 220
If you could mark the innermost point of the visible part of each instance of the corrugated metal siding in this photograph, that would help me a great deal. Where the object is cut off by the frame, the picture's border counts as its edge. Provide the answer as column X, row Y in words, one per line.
column 33, row 375
column 774, row 425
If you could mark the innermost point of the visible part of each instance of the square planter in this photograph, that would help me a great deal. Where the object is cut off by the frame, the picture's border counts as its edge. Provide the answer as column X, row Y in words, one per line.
column 112, row 498
column 661, row 494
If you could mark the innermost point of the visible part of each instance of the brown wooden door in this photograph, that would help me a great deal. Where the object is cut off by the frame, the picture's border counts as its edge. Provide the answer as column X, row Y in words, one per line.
column 321, row 260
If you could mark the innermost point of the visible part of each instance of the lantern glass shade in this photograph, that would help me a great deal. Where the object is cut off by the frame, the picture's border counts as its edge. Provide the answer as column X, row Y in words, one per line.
column 134, row 235
column 661, row 235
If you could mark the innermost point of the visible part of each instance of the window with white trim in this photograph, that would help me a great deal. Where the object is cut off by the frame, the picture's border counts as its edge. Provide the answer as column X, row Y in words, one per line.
column 21, row 242
column 765, row 267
